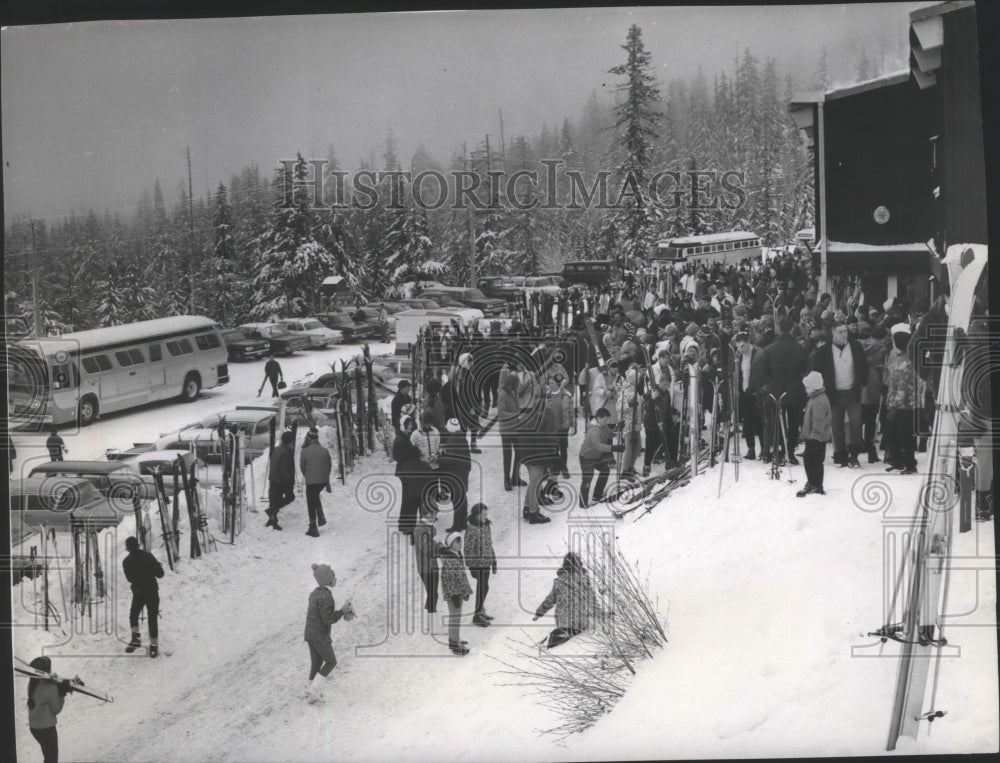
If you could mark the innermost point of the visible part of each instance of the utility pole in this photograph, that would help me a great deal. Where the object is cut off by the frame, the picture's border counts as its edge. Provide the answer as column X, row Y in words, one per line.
column 472, row 228
column 37, row 305
column 191, row 257
column 503, row 147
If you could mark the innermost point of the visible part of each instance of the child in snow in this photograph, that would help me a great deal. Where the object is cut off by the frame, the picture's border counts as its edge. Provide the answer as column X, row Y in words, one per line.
column 320, row 615
column 573, row 597
column 455, row 587
column 817, row 431
column 480, row 558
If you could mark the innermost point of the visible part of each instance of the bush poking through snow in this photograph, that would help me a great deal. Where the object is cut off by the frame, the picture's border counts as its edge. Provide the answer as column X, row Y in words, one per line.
column 582, row 679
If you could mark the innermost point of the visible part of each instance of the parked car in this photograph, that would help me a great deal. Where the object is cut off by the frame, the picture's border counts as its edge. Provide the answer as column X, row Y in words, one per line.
column 418, row 303
column 43, row 502
column 499, row 287
column 353, row 332
column 256, row 423
column 113, row 479
column 282, row 342
column 240, row 347
column 467, row 298
column 391, row 307
column 319, row 335
column 385, row 322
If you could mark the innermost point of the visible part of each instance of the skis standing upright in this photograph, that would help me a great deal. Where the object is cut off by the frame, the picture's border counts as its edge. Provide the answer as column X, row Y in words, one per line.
column 373, row 420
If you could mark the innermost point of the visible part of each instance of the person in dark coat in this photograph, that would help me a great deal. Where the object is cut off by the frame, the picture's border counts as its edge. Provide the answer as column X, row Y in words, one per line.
column 425, row 553
column 455, row 463
column 281, row 478
column 321, row 613
column 844, row 366
column 744, row 362
column 55, row 445
column 411, row 470
column 272, row 374
column 315, row 464
column 141, row 570
column 783, row 364
column 461, row 399
column 401, row 398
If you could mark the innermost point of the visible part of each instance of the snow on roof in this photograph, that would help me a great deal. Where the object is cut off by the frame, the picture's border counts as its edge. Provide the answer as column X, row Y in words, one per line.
column 333, row 280
column 128, row 332
column 840, row 246
column 713, row 238
column 842, row 90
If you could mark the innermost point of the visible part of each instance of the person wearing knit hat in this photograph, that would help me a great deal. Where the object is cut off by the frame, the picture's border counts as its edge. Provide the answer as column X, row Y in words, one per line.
column 455, row 588
column 321, row 613
column 816, row 433
column 465, row 360
column 900, row 328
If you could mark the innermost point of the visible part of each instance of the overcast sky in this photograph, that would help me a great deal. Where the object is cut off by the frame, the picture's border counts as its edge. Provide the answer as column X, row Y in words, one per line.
column 93, row 113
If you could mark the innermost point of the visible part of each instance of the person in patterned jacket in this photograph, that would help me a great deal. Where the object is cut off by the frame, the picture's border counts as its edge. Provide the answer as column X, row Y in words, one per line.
column 900, row 402
column 573, row 597
column 480, row 558
column 455, row 588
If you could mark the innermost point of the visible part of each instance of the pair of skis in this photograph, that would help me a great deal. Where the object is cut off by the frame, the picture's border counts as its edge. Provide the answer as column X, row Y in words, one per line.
column 75, row 685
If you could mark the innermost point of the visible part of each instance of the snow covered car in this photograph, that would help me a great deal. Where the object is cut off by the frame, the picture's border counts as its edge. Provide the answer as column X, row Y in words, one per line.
column 342, row 321
column 113, row 479
column 57, row 503
column 204, row 434
column 466, row 298
column 319, row 336
column 282, row 342
column 240, row 347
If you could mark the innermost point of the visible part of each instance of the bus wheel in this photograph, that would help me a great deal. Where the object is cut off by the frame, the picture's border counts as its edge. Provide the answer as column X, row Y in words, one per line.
column 88, row 411
column 191, row 388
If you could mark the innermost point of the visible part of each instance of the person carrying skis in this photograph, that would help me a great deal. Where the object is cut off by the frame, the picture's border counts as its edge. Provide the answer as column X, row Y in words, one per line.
column 273, row 374
column 321, row 613
column 45, row 702
column 573, row 597
column 141, row 570
column 315, row 464
column 455, row 588
column 281, row 478
column 817, row 431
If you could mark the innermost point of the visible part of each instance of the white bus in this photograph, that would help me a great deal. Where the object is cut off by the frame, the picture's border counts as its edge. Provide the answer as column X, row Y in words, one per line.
column 78, row 376
column 728, row 248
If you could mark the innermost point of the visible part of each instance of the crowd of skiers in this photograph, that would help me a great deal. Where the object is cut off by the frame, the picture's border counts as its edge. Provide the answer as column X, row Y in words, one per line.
column 749, row 335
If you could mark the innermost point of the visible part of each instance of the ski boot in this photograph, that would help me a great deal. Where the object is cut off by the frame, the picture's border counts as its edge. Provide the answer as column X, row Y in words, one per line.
column 135, row 643
column 458, row 647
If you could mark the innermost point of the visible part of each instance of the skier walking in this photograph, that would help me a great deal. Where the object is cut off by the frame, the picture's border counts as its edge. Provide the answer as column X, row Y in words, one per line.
column 315, row 464
column 45, row 702
column 281, row 478
column 480, row 558
column 595, row 454
column 55, row 445
column 141, row 570
column 272, row 374
column 321, row 613
column 573, row 597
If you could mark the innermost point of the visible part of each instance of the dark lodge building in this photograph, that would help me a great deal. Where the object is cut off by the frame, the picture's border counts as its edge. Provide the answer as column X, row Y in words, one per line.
column 898, row 161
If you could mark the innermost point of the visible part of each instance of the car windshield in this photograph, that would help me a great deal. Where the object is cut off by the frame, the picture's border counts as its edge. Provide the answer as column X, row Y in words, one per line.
column 235, row 336
column 312, row 325
column 474, row 294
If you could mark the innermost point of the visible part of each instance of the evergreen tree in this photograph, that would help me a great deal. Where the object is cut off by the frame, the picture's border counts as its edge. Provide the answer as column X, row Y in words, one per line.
column 637, row 117
column 292, row 262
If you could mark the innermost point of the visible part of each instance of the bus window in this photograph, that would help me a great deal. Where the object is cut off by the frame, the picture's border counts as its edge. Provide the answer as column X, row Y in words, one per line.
column 181, row 347
column 123, row 358
column 64, row 375
column 155, row 353
column 96, row 363
column 206, row 341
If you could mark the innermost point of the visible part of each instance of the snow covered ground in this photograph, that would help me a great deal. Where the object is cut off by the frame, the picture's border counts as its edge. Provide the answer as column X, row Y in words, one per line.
column 767, row 599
